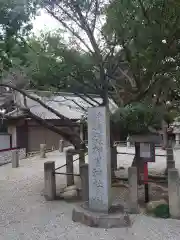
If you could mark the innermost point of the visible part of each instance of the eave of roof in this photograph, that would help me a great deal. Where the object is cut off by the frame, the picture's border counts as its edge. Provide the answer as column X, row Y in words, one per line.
column 65, row 103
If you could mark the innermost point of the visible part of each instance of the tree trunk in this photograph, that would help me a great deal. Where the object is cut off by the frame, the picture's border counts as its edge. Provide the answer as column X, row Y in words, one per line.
column 69, row 136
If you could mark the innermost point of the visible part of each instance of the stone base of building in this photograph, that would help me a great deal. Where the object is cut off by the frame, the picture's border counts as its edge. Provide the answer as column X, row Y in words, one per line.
column 115, row 218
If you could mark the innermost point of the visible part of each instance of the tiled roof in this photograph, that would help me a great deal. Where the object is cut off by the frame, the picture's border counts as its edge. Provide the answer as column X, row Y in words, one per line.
column 68, row 104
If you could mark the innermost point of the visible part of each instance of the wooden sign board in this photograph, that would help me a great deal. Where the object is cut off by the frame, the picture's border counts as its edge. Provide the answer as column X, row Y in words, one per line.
column 147, row 152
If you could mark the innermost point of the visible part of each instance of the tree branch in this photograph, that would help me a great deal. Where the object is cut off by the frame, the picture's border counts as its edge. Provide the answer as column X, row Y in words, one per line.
column 95, row 88
column 83, row 109
column 127, row 52
column 69, row 29
column 83, row 98
column 73, row 138
column 95, row 16
column 88, row 31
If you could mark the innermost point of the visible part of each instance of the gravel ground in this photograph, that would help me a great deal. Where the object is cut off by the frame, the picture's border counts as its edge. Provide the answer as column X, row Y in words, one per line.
column 24, row 214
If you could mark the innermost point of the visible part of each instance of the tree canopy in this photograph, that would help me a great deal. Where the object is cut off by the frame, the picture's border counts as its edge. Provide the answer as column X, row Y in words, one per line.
column 130, row 48
column 52, row 64
column 148, row 33
column 15, row 23
column 125, row 50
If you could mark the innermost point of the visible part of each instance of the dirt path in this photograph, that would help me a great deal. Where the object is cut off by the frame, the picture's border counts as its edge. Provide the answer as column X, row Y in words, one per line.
column 24, row 214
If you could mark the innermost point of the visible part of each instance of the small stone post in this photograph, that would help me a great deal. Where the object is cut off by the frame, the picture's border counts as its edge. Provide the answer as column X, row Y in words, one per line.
column 81, row 159
column 43, row 150
column 133, row 190
column 61, row 145
column 170, row 157
column 15, row 159
column 177, row 139
column 84, row 182
column 128, row 143
column 164, row 133
column 49, row 181
column 174, row 193
column 69, row 167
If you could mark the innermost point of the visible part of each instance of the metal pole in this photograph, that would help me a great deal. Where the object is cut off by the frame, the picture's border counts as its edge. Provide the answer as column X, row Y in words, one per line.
column 146, row 187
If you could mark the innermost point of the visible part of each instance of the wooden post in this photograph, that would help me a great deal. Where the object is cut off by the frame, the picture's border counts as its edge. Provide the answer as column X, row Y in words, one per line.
column 146, row 187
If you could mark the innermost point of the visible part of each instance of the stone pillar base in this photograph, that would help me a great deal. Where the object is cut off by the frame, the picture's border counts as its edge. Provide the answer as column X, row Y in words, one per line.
column 101, row 220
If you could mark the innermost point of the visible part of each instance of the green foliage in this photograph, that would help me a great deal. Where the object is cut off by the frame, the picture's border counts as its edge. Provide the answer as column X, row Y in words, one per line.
column 130, row 48
column 14, row 23
column 148, row 32
column 51, row 64
column 136, row 47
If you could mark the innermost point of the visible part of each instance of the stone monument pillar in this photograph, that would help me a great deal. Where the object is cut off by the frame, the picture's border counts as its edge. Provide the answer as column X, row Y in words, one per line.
column 177, row 139
column 99, row 159
column 176, row 131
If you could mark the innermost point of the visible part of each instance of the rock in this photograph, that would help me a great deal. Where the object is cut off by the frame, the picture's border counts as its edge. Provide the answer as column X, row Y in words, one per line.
column 70, row 188
column 69, row 195
column 154, row 204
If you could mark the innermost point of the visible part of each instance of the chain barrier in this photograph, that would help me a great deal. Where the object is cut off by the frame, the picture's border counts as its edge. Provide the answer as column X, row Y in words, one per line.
column 64, row 165
column 132, row 154
column 68, row 174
